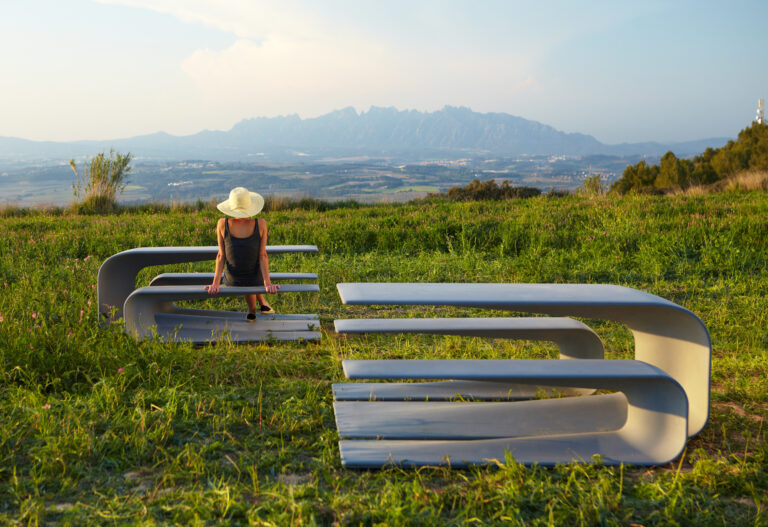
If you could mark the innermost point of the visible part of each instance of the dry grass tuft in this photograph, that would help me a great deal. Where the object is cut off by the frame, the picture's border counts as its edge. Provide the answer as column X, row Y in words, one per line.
column 743, row 181
column 749, row 180
column 275, row 202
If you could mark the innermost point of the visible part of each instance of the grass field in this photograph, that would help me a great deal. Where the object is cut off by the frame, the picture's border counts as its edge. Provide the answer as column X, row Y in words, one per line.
column 98, row 428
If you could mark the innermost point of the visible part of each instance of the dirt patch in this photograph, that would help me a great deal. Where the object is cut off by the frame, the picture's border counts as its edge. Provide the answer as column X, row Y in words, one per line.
column 738, row 410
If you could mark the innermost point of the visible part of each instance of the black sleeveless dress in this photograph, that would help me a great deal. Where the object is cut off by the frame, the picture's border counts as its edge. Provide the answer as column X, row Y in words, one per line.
column 241, row 256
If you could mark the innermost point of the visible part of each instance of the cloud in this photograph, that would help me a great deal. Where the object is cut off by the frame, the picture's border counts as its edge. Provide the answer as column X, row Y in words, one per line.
column 288, row 76
column 289, row 59
column 247, row 19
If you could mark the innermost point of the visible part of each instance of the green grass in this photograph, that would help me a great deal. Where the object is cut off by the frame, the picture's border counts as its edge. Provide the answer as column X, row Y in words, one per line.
column 96, row 427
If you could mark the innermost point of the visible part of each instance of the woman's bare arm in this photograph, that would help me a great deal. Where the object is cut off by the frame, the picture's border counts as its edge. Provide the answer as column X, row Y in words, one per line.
column 263, row 259
column 216, row 284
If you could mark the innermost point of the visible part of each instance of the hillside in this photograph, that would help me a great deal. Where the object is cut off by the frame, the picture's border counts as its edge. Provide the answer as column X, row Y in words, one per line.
column 94, row 425
column 749, row 152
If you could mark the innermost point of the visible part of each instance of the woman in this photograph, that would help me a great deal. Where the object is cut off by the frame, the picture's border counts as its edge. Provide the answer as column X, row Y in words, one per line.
column 242, row 257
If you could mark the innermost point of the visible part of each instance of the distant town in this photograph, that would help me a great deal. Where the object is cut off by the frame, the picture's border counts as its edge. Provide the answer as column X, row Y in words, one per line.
column 365, row 180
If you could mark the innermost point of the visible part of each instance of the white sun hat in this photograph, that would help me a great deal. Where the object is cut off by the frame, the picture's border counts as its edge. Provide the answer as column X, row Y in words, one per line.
column 241, row 203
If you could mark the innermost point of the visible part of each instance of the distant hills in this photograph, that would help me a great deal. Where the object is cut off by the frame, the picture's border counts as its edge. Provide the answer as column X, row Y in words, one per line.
column 380, row 132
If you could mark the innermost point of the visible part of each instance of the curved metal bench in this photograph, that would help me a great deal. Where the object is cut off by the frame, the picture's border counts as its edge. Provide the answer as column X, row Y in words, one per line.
column 666, row 335
column 646, row 423
column 117, row 275
column 661, row 400
column 574, row 339
column 151, row 309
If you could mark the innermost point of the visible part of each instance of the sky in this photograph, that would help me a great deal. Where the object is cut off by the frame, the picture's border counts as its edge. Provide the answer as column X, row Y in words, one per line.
column 667, row 70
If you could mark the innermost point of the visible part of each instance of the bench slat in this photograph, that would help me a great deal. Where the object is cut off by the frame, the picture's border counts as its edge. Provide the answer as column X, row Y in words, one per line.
column 544, row 325
column 198, row 292
column 262, row 323
column 613, row 448
column 237, row 315
column 472, row 420
column 446, row 390
column 203, row 336
column 537, row 370
column 498, row 295
column 207, row 278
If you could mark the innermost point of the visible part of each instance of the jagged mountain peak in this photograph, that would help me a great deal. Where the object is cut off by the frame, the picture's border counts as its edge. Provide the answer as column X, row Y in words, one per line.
column 377, row 131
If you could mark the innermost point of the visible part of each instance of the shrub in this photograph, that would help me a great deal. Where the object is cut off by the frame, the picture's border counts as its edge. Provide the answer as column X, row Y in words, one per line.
column 478, row 190
column 592, row 186
column 101, row 180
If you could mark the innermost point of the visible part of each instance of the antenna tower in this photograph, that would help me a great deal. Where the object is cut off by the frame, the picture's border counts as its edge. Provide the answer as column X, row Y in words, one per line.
column 760, row 117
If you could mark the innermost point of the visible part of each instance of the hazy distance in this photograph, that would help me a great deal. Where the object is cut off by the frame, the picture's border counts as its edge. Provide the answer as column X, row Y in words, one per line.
column 620, row 72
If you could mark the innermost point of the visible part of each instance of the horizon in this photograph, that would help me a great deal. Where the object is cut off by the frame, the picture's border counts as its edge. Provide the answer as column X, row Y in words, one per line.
column 107, row 69
column 358, row 113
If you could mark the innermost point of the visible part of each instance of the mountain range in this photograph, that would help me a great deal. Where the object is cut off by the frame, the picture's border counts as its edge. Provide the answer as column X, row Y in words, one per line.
column 379, row 132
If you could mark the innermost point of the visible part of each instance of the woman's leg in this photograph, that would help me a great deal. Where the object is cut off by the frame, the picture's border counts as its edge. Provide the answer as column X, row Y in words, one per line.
column 251, row 301
column 262, row 300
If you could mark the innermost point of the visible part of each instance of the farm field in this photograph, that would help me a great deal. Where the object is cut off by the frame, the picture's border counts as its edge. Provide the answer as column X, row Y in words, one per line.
column 96, row 427
column 366, row 180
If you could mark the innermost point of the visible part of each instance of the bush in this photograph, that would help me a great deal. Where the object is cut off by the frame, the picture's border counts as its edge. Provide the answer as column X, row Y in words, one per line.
column 478, row 190
column 592, row 186
column 102, row 179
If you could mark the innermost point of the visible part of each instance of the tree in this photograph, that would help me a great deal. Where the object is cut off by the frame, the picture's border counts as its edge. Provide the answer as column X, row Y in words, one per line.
column 636, row 177
column 102, row 178
column 703, row 174
column 673, row 172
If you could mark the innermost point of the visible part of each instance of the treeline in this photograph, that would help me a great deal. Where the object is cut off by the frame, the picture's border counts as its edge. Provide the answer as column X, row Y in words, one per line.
column 477, row 190
column 748, row 152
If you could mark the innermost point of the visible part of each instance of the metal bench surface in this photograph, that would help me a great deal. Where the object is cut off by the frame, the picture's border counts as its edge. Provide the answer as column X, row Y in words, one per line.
column 117, row 275
column 207, row 278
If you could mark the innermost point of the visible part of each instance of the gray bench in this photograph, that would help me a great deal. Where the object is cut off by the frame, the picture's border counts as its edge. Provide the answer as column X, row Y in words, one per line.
column 117, row 275
column 634, row 426
column 150, row 310
column 574, row 340
column 646, row 423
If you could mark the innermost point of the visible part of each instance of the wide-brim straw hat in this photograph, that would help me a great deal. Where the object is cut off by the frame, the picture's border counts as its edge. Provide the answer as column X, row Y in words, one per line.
column 241, row 203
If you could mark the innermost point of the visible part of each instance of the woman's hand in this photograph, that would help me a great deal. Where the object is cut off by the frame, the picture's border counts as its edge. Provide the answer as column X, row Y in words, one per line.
column 271, row 288
column 213, row 288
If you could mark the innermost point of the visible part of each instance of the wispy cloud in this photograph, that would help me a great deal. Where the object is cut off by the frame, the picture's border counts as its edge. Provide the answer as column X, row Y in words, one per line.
column 289, row 60
column 245, row 19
